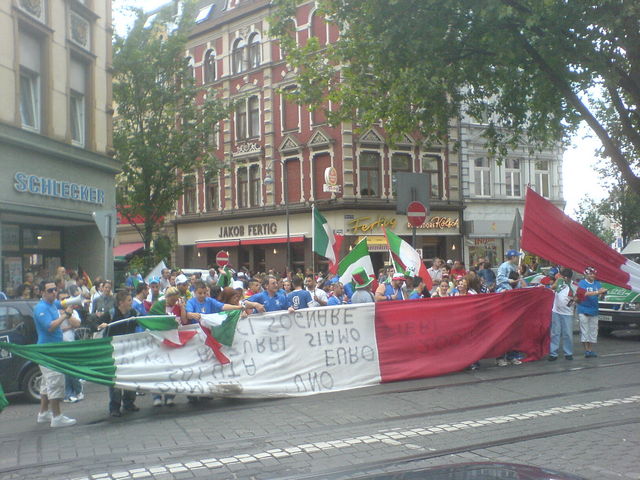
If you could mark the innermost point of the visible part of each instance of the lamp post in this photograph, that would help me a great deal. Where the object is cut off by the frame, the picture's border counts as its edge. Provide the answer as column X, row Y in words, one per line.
column 285, row 195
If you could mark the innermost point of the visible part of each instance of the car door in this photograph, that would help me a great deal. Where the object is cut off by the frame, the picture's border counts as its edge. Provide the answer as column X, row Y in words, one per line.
column 15, row 328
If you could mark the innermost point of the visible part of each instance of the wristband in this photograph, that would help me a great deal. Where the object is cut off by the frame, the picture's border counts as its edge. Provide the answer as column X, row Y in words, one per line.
column 388, row 297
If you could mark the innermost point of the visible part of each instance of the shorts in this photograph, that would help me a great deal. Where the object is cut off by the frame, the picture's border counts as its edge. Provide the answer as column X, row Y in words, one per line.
column 588, row 328
column 52, row 384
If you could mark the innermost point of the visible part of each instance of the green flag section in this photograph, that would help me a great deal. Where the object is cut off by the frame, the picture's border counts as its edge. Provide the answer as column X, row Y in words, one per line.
column 406, row 259
column 3, row 399
column 323, row 239
column 226, row 331
column 225, row 279
column 356, row 258
column 91, row 360
column 158, row 322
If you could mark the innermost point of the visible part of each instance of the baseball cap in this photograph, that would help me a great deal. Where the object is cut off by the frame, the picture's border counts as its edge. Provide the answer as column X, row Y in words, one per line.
column 398, row 276
column 154, row 280
column 553, row 271
column 181, row 279
column 512, row 253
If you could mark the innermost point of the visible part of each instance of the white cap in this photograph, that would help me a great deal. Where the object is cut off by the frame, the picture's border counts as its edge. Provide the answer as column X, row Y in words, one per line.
column 181, row 279
column 237, row 284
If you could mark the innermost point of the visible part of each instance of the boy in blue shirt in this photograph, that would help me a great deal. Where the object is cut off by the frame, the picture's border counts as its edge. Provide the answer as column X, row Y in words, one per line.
column 589, row 289
column 299, row 298
column 202, row 304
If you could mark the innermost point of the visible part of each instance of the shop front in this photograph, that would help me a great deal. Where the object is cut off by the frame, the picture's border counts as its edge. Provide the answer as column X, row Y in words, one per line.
column 49, row 193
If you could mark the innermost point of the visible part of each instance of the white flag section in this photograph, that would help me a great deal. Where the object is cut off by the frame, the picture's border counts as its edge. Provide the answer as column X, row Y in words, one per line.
column 273, row 355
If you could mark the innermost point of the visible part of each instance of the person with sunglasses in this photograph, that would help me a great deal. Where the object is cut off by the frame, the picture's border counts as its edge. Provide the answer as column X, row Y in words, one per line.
column 48, row 320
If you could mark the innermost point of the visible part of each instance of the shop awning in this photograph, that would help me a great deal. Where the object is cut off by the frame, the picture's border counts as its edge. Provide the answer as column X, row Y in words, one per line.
column 217, row 243
column 125, row 249
column 269, row 240
column 376, row 243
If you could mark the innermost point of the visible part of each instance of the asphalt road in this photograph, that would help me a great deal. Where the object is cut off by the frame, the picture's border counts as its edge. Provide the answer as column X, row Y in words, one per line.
column 580, row 417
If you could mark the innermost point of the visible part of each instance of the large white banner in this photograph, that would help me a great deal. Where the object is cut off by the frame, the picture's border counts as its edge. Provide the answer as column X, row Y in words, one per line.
column 274, row 354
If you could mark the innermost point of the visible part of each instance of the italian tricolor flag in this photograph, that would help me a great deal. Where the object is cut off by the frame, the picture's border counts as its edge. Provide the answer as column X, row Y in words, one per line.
column 325, row 242
column 356, row 258
column 406, row 259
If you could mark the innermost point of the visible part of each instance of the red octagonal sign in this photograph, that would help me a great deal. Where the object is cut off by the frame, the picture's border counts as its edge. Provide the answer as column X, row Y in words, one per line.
column 222, row 258
column 416, row 213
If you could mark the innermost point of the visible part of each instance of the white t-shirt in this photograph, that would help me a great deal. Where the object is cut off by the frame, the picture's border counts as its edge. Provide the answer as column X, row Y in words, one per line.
column 69, row 335
column 322, row 296
column 562, row 299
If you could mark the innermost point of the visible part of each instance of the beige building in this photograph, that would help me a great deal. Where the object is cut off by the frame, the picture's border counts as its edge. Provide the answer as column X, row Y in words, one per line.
column 55, row 137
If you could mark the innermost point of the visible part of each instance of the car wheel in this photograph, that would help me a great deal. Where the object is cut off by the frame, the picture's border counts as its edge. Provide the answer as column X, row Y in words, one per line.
column 31, row 384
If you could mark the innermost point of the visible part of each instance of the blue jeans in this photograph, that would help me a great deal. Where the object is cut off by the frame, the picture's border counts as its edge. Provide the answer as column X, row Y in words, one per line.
column 561, row 330
column 72, row 387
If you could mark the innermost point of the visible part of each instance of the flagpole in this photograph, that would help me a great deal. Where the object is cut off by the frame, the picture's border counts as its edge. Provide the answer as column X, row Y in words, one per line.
column 313, row 238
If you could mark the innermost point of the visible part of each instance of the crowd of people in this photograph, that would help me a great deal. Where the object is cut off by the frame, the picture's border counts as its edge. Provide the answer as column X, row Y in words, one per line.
column 72, row 308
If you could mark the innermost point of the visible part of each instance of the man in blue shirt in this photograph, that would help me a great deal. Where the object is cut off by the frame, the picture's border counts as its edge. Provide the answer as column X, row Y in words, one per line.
column 589, row 289
column 338, row 297
column 299, row 298
column 269, row 297
column 503, row 282
column 202, row 304
column 52, row 386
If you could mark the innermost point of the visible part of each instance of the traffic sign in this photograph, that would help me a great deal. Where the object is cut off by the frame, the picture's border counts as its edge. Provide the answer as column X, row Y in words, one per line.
column 416, row 213
column 222, row 258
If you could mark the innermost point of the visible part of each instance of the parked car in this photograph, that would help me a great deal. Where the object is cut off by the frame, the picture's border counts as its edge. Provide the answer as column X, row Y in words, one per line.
column 17, row 326
column 619, row 310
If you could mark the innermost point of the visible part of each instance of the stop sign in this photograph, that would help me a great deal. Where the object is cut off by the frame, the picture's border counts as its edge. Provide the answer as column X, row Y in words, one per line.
column 416, row 213
column 222, row 258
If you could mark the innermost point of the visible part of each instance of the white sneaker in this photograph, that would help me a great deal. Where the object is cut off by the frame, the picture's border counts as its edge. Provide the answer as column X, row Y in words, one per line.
column 515, row 361
column 62, row 421
column 70, row 399
column 80, row 396
column 169, row 402
column 157, row 402
column 502, row 362
column 45, row 417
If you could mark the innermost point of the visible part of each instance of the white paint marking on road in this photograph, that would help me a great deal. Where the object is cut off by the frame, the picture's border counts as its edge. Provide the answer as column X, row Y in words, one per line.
column 387, row 437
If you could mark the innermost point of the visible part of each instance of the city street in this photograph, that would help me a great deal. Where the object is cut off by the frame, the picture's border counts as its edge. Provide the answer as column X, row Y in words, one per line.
column 579, row 416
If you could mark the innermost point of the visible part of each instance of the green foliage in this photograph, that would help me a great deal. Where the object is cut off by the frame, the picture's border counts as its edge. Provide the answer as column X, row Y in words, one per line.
column 590, row 217
column 528, row 65
column 159, row 129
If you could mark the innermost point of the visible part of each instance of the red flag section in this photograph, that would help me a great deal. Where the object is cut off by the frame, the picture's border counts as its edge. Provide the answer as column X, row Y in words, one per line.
column 550, row 234
column 450, row 333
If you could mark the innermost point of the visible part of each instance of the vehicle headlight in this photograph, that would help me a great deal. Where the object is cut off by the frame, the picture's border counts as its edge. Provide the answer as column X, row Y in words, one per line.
column 631, row 306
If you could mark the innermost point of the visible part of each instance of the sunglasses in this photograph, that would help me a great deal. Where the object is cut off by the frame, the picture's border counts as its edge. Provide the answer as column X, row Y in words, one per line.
column 51, row 290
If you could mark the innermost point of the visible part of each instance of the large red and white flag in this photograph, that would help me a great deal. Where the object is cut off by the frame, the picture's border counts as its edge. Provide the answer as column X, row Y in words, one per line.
column 549, row 233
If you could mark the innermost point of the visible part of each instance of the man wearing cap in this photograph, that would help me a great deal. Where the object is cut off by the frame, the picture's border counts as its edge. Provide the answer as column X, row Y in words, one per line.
column 182, row 282
column 589, row 289
column 154, row 290
column 392, row 290
column 503, row 282
column 362, row 285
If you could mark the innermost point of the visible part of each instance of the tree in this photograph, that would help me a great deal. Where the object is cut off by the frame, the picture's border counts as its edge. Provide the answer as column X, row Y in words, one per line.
column 538, row 68
column 163, row 125
column 623, row 207
column 589, row 216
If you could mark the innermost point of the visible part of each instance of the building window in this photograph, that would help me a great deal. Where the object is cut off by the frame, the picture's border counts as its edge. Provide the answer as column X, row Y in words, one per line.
column 209, row 66
column 77, row 102
column 370, row 174
column 241, row 121
column 289, row 110
column 254, row 50
column 542, row 178
column 400, row 162
column 211, row 194
column 319, row 28
column 190, row 194
column 512, row 177
column 243, row 190
column 237, row 60
column 432, row 164
column 254, row 186
column 190, row 69
column 253, row 106
column 30, row 83
column 482, row 177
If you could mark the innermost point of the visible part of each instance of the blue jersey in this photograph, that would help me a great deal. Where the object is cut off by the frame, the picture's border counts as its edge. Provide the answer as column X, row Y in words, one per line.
column 271, row 304
column 389, row 291
column 44, row 314
column 502, row 279
column 299, row 299
column 210, row 305
column 348, row 290
column 589, row 306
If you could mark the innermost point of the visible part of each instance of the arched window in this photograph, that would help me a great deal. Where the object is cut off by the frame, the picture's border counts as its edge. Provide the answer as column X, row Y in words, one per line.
column 255, row 56
column 237, row 56
column 209, row 66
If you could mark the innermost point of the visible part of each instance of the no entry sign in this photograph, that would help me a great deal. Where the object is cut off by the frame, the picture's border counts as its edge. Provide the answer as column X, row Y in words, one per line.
column 416, row 213
column 222, row 258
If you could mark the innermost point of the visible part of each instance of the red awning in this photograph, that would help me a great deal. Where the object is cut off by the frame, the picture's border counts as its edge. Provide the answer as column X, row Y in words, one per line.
column 269, row 240
column 218, row 243
column 125, row 249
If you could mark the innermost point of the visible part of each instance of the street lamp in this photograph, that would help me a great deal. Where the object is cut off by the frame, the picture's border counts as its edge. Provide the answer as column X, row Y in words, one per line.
column 285, row 195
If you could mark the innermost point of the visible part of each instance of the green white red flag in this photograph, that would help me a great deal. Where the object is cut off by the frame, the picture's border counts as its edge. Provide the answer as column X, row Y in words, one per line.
column 406, row 259
column 356, row 258
column 324, row 241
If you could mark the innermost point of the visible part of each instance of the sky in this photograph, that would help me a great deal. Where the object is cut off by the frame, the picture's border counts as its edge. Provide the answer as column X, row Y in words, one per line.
column 580, row 178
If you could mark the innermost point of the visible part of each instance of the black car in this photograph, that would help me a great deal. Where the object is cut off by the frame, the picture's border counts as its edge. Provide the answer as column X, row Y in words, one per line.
column 17, row 326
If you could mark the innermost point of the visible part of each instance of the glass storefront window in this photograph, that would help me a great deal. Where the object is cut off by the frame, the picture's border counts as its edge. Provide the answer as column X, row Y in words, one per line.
column 41, row 239
column 10, row 238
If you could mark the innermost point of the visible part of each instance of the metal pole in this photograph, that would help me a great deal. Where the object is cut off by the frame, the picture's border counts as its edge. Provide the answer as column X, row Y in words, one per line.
column 286, row 211
column 413, row 238
column 107, row 244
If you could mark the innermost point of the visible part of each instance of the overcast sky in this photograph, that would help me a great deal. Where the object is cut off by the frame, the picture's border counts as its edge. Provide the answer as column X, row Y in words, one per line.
column 580, row 177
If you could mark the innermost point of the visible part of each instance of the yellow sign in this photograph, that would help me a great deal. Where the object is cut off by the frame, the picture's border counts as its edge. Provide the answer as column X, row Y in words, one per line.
column 439, row 223
column 366, row 224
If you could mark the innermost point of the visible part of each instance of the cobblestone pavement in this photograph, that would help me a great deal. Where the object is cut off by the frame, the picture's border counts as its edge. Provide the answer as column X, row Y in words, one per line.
column 580, row 417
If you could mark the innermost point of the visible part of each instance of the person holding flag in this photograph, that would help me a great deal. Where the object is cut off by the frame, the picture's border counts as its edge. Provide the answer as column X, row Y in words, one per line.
column 589, row 290
column 391, row 291
column 406, row 260
column 358, row 258
column 562, row 316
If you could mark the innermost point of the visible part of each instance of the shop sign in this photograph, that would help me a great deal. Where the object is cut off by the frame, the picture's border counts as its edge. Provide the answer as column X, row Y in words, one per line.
column 50, row 187
column 368, row 224
column 438, row 223
column 331, row 180
column 252, row 229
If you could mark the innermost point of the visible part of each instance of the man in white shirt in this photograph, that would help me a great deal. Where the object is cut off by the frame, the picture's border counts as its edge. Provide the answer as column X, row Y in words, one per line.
column 318, row 295
column 562, row 316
